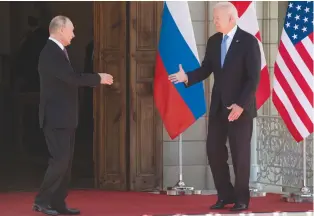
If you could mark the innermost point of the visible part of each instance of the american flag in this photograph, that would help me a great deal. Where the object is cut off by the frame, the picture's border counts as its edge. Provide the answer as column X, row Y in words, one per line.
column 248, row 22
column 294, row 81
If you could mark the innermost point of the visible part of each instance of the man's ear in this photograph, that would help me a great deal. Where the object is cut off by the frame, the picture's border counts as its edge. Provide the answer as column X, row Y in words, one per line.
column 231, row 19
column 61, row 30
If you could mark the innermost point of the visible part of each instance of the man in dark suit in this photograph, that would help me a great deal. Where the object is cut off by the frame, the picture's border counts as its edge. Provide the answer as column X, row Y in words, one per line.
column 233, row 55
column 58, row 114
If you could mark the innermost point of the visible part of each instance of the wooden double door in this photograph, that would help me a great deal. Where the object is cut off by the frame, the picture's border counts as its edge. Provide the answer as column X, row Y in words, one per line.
column 127, row 127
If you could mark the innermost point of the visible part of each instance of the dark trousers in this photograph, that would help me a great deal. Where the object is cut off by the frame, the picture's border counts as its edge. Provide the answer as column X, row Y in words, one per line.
column 239, row 134
column 53, row 190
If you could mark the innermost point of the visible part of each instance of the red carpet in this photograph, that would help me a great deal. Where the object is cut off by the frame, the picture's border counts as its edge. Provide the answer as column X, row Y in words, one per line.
column 102, row 203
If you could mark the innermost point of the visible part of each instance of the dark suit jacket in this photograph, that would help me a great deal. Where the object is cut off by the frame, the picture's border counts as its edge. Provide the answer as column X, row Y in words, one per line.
column 237, row 81
column 59, row 85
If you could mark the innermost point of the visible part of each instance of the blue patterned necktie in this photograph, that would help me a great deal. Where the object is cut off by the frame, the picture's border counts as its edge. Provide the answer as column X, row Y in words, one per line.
column 223, row 49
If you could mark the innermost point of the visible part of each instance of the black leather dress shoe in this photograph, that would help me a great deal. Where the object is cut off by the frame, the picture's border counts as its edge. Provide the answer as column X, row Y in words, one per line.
column 68, row 211
column 239, row 207
column 220, row 204
column 45, row 210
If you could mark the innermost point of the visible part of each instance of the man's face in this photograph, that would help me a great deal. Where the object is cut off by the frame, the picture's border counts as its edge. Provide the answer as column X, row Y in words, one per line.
column 222, row 20
column 67, row 33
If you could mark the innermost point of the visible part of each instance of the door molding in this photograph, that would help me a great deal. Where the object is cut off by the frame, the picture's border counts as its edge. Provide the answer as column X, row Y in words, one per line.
column 110, row 101
column 127, row 128
column 146, row 138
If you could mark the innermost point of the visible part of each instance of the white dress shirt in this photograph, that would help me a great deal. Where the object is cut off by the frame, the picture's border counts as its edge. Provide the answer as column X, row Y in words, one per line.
column 57, row 42
column 230, row 36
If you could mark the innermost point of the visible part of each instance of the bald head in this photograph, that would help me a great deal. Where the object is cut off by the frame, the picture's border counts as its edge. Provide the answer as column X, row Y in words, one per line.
column 225, row 16
column 57, row 23
column 228, row 8
column 61, row 28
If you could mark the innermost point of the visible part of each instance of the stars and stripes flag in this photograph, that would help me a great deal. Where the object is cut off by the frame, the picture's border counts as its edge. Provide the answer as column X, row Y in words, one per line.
column 294, row 81
column 248, row 22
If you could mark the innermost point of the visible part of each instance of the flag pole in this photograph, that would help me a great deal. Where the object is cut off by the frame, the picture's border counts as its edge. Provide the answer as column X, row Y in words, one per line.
column 180, row 188
column 180, row 183
column 305, row 194
column 255, row 187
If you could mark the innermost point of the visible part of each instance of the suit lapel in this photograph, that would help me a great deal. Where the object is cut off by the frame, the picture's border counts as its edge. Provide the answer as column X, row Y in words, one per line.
column 234, row 47
column 58, row 49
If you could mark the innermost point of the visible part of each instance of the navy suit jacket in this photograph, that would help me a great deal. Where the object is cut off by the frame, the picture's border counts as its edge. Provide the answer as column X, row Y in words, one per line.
column 235, row 82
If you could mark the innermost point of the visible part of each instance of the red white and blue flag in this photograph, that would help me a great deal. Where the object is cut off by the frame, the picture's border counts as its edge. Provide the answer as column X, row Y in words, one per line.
column 248, row 22
column 178, row 106
column 294, row 77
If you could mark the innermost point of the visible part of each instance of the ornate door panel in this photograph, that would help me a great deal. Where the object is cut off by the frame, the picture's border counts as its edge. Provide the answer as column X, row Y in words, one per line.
column 145, row 124
column 110, row 101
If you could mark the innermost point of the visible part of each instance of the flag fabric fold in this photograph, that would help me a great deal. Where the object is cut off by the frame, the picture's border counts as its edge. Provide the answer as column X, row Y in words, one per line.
column 293, row 86
column 179, row 107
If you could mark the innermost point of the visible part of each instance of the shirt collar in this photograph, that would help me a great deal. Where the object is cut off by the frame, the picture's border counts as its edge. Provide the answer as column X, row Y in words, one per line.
column 231, row 33
column 57, row 42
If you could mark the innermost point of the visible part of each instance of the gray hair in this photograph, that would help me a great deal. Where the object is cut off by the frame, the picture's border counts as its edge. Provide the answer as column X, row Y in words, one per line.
column 57, row 23
column 232, row 10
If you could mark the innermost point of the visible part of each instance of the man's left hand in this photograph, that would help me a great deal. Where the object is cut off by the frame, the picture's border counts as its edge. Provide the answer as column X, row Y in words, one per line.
column 235, row 113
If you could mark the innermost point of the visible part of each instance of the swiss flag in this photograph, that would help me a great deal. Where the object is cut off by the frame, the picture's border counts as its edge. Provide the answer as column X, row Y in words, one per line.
column 248, row 22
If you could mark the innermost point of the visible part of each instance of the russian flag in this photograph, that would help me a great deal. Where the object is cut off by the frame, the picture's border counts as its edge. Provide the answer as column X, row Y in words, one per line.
column 178, row 106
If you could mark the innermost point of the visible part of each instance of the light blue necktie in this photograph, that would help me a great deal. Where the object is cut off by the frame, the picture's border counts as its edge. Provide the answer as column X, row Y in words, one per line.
column 223, row 49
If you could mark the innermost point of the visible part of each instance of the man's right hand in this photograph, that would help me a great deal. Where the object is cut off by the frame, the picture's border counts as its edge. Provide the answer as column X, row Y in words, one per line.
column 105, row 78
column 179, row 77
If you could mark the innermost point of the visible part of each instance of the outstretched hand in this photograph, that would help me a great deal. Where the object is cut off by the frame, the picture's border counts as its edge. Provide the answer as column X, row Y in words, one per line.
column 106, row 79
column 178, row 77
